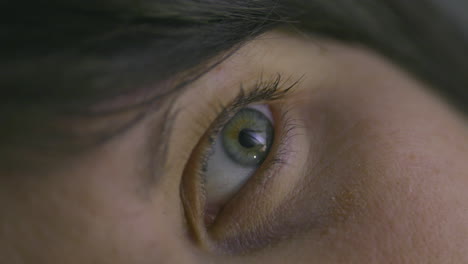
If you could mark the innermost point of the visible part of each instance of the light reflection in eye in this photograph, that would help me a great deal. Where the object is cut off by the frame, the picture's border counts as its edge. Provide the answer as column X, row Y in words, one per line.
column 239, row 149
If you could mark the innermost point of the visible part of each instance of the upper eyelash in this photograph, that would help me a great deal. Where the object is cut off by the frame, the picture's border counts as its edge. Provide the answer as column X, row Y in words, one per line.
column 262, row 92
column 268, row 91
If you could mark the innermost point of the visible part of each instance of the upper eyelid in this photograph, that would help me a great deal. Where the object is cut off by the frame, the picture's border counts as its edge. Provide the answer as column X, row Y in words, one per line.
column 275, row 160
column 270, row 90
column 200, row 124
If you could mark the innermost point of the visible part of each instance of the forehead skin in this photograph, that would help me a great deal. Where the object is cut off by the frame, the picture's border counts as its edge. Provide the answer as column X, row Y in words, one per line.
column 382, row 157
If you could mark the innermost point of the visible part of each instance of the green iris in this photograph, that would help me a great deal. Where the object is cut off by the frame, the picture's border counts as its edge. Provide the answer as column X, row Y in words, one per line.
column 247, row 137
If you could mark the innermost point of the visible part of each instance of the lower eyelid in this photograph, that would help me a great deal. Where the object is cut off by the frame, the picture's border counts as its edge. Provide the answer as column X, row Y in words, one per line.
column 219, row 186
column 194, row 201
column 255, row 202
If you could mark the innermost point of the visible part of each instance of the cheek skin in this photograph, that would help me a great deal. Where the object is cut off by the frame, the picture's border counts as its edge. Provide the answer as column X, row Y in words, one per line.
column 395, row 157
column 90, row 213
column 388, row 158
column 386, row 175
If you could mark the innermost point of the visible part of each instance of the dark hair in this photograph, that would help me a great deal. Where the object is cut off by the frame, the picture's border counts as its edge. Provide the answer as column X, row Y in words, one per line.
column 63, row 57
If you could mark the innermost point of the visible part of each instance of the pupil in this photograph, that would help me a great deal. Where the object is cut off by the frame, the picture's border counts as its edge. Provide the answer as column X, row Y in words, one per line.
column 249, row 138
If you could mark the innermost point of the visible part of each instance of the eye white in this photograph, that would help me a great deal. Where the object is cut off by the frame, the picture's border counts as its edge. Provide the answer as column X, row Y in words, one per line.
column 224, row 177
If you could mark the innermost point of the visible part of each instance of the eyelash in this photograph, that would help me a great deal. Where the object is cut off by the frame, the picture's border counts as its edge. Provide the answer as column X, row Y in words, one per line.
column 263, row 91
column 269, row 91
column 192, row 186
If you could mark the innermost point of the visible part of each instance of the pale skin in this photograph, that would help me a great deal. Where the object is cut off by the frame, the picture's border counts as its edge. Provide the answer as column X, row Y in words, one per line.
column 378, row 173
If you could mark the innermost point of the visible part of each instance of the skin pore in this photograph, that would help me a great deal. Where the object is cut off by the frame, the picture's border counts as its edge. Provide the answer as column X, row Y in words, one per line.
column 376, row 172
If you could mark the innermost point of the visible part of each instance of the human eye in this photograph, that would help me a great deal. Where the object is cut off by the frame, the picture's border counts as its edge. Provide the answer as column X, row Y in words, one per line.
column 245, row 146
column 236, row 153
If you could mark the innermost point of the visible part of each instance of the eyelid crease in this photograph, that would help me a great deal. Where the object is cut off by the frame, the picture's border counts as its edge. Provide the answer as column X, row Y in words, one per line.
column 159, row 144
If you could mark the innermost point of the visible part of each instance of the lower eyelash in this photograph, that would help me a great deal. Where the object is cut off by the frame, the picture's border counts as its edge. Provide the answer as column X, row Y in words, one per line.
column 282, row 150
column 279, row 156
column 276, row 164
column 269, row 93
column 274, row 89
column 263, row 92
